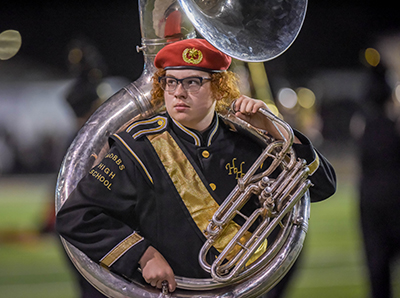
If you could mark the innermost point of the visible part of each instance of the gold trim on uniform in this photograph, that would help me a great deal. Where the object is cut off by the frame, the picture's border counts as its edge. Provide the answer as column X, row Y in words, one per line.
column 113, row 255
column 197, row 141
column 197, row 199
column 213, row 132
column 159, row 120
column 136, row 157
column 313, row 166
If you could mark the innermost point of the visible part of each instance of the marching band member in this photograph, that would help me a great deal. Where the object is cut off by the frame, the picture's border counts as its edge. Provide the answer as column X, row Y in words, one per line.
column 148, row 201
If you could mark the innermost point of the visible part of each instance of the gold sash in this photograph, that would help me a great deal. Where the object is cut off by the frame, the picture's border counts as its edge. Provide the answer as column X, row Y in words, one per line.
column 194, row 194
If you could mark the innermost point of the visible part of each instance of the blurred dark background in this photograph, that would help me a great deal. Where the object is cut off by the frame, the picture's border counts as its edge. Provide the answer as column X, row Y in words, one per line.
column 333, row 33
column 327, row 58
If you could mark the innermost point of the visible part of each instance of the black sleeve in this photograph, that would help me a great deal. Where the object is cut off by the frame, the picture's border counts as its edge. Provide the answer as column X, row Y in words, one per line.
column 322, row 174
column 98, row 217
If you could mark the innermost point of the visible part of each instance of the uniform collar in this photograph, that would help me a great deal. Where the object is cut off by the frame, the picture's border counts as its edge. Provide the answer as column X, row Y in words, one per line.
column 195, row 137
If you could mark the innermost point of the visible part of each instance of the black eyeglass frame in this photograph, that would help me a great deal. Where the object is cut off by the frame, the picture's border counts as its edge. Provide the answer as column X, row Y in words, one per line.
column 181, row 81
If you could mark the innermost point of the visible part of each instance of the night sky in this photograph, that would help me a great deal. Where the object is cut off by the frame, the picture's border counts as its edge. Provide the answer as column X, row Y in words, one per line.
column 332, row 36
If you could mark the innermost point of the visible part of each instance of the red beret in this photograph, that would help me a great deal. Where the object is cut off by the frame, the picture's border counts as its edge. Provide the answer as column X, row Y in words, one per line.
column 194, row 54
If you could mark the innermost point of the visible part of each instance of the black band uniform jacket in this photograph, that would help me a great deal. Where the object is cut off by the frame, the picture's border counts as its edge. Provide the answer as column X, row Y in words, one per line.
column 129, row 201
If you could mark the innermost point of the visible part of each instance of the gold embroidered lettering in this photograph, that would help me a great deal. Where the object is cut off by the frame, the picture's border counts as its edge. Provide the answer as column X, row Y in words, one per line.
column 95, row 174
column 230, row 167
column 117, row 160
column 101, row 178
column 241, row 171
column 233, row 170
column 107, row 184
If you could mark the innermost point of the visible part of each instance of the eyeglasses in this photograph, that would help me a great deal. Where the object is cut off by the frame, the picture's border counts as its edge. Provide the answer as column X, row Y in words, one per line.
column 191, row 84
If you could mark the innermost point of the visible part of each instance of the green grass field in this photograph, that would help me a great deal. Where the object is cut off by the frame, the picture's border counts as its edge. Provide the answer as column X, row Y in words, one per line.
column 331, row 265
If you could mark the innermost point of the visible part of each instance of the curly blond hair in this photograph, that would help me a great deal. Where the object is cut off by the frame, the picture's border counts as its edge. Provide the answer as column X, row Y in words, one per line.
column 224, row 87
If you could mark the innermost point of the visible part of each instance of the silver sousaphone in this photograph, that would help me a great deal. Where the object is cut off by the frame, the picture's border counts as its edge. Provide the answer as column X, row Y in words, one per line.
column 251, row 31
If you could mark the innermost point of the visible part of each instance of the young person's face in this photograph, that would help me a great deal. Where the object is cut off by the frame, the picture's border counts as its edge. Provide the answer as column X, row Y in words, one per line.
column 192, row 109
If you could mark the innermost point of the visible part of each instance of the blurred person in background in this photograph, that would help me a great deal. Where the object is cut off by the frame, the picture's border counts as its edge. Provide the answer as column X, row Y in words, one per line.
column 87, row 65
column 7, row 155
column 379, row 147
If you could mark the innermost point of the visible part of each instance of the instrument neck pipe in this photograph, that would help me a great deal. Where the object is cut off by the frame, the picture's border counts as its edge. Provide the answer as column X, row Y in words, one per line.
column 156, row 27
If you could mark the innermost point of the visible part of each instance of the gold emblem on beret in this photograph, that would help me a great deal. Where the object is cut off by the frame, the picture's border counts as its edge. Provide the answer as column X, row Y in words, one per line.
column 193, row 56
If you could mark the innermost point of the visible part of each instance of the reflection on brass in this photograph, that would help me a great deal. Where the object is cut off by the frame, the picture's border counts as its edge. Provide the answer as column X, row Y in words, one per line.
column 208, row 5
column 10, row 43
